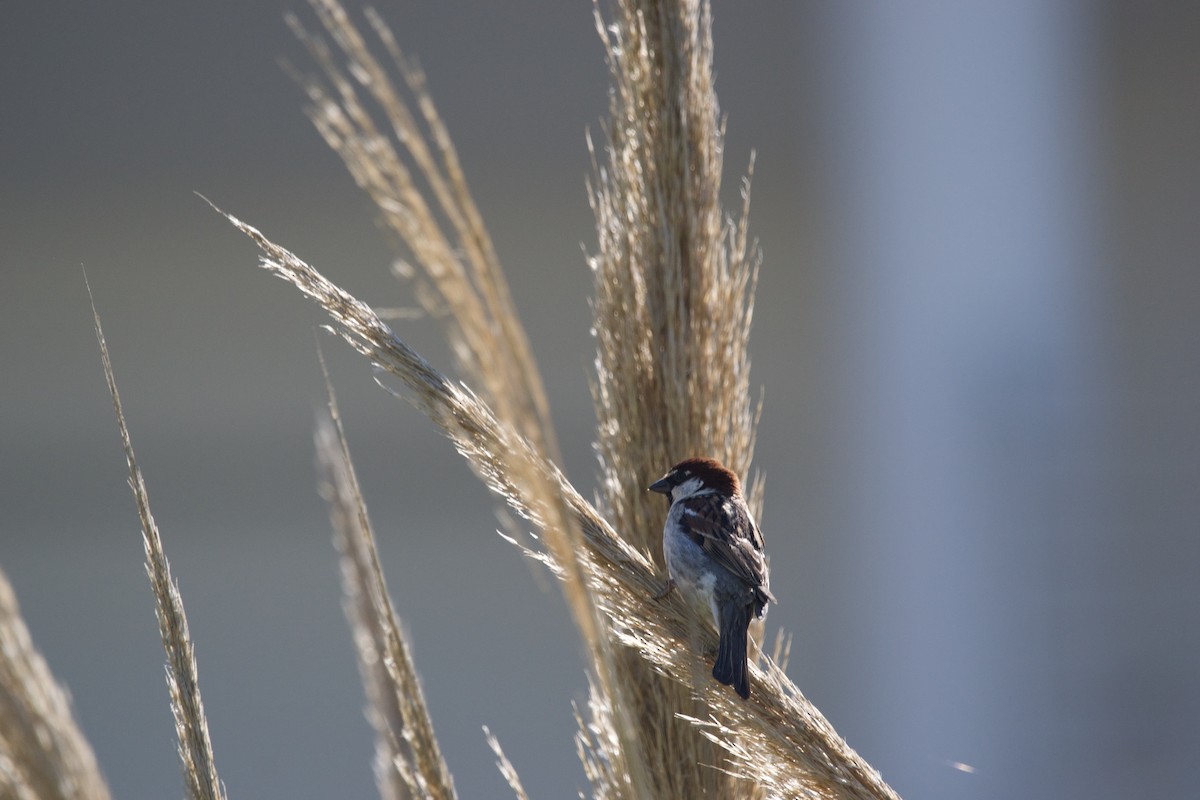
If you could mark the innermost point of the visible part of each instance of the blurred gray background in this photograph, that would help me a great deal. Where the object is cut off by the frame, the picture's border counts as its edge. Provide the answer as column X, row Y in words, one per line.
column 977, row 333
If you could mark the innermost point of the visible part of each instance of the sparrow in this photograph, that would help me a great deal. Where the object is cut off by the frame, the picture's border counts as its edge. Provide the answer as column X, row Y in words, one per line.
column 714, row 552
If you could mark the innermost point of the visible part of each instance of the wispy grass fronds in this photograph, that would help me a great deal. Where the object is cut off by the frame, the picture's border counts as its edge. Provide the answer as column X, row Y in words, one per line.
column 505, row 766
column 674, row 294
column 408, row 761
column 458, row 274
column 460, row 280
column 674, row 278
column 596, row 741
column 509, row 463
column 777, row 738
column 43, row 754
column 183, row 683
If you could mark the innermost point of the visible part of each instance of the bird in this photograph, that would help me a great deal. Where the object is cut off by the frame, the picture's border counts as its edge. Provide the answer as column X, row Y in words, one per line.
column 715, row 553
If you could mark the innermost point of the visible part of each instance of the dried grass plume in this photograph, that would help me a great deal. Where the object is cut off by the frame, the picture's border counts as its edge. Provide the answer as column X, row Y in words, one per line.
column 408, row 761
column 183, row 682
column 43, row 754
column 674, row 293
column 777, row 738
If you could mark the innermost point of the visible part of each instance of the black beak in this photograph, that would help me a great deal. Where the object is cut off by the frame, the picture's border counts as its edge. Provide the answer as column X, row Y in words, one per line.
column 662, row 486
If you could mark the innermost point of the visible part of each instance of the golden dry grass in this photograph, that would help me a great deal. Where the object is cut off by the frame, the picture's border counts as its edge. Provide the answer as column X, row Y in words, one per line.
column 674, row 299
column 43, row 754
column 458, row 274
column 776, row 740
column 183, row 682
column 674, row 285
column 507, row 770
column 674, row 290
column 408, row 761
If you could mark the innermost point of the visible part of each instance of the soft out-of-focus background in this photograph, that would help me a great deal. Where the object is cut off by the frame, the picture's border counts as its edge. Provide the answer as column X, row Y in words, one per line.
column 977, row 332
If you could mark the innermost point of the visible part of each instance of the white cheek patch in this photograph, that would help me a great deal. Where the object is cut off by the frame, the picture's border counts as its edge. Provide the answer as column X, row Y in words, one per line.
column 687, row 488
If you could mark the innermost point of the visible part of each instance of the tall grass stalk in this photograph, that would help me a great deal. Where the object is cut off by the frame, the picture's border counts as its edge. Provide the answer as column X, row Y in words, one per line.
column 183, row 682
column 674, row 293
column 43, row 754
column 505, row 766
column 459, row 280
column 674, row 299
column 674, row 279
column 458, row 274
column 408, row 761
column 776, row 740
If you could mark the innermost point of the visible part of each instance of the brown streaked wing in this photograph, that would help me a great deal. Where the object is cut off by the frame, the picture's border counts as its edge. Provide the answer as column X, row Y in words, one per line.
column 725, row 530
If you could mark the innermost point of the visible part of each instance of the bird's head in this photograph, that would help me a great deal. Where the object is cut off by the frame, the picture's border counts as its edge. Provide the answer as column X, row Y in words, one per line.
column 697, row 476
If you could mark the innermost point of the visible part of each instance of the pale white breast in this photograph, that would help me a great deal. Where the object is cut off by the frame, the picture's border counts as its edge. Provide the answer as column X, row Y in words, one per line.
column 688, row 565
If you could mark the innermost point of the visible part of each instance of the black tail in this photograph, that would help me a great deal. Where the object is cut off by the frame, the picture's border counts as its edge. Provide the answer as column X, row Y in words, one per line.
column 730, row 667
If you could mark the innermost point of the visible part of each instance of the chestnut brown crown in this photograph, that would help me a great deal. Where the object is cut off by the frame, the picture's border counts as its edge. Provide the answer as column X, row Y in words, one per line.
column 712, row 473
